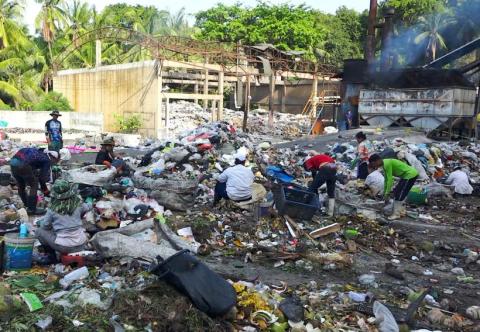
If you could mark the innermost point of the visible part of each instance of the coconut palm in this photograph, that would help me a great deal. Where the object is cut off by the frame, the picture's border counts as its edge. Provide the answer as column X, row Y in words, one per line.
column 10, row 31
column 432, row 25
column 50, row 19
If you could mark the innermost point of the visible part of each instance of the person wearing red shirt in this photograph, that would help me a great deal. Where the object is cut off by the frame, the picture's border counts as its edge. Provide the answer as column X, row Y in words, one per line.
column 324, row 170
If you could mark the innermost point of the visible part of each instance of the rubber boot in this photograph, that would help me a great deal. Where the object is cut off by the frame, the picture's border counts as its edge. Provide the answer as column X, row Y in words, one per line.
column 24, row 199
column 403, row 209
column 331, row 207
column 32, row 209
column 397, row 205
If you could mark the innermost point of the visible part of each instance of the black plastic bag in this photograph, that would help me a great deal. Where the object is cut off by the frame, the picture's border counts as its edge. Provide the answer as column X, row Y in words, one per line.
column 208, row 291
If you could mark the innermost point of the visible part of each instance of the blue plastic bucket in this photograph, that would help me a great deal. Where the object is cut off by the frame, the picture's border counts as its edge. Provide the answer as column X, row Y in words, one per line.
column 18, row 252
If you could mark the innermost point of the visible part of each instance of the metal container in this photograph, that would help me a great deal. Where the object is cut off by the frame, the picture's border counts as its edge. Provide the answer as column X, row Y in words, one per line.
column 422, row 108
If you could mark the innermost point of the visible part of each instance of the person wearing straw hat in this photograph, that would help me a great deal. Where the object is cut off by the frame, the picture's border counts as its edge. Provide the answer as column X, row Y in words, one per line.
column 62, row 229
column 32, row 167
column 53, row 132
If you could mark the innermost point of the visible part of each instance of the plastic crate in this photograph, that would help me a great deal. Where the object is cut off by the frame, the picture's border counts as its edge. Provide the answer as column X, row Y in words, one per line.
column 296, row 203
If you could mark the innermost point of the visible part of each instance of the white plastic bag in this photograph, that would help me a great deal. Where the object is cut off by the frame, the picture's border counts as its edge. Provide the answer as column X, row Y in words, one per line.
column 384, row 318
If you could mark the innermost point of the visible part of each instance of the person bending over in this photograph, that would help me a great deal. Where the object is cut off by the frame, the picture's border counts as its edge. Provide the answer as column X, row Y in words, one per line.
column 324, row 170
column 395, row 168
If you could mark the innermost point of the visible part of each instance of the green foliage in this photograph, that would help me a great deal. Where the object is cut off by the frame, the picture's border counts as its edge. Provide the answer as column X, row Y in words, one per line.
column 329, row 38
column 53, row 101
column 129, row 124
column 409, row 11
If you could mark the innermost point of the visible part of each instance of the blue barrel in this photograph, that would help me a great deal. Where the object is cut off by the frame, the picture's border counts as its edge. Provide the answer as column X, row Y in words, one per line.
column 18, row 252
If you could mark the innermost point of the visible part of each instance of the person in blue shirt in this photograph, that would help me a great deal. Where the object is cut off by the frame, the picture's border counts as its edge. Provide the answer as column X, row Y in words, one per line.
column 31, row 167
column 53, row 132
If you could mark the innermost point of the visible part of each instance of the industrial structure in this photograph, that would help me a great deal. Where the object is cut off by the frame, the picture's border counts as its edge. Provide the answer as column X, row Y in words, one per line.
column 191, row 70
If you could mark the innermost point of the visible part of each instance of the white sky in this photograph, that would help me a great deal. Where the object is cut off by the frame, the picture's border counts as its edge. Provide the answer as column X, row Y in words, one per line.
column 193, row 6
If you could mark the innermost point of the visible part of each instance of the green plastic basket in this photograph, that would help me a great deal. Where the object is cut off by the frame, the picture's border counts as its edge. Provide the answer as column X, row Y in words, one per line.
column 417, row 196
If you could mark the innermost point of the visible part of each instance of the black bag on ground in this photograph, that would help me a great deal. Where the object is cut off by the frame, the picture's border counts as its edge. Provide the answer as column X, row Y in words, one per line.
column 208, row 291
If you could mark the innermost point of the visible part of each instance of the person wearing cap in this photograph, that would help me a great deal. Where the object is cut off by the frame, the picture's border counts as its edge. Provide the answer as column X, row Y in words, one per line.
column 324, row 170
column 32, row 167
column 235, row 183
column 53, row 132
column 107, row 157
column 364, row 150
column 62, row 229
column 395, row 168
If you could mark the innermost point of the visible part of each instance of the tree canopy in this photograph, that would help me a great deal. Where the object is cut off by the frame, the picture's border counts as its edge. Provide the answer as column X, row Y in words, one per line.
column 329, row 38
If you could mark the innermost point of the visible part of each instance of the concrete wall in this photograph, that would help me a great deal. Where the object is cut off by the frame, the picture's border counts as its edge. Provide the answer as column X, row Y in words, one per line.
column 119, row 90
column 91, row 122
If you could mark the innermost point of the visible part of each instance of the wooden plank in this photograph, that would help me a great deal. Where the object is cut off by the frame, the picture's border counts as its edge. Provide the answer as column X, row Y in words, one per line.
column 190, row 96
column 299, row 229
column 325, row 230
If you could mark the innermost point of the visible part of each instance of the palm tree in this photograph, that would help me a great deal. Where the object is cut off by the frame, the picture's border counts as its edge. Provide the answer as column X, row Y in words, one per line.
column 50, row 19
column 21, row 73
column 10, row 31
column 431, row 26
column 79, row 18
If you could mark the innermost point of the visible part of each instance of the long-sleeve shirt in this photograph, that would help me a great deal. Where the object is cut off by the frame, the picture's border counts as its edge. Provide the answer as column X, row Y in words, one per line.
column 103, row 156
column 53, row 130
column 459, row 179
column 68, row 228
column 397, row 168
column 239, row 182
column 36, row 159
column 318, row 161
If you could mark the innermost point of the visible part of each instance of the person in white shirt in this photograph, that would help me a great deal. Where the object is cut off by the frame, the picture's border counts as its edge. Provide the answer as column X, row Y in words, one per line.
column 460, row 180
column 235, row 182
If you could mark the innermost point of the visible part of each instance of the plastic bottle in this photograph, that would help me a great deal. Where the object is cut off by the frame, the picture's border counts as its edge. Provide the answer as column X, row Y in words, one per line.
column 23, row 230
column 77, row 274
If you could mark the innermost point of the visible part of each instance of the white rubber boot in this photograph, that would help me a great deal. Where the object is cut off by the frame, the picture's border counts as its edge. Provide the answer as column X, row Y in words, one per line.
column 402, row 209
column 396, row 211
column 331, row 207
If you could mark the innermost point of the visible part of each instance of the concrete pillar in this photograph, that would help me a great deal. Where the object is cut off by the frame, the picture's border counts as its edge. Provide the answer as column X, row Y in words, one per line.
column 270, row 100
column 314, row 101
column 98, row 53
column 284, row 97
column 167, row 116
column 205, row 91
column 158, row 115
column 247, row 104
column 195, row 91
column 220, row 92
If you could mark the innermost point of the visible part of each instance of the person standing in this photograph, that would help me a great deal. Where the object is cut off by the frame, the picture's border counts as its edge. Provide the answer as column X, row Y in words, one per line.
column 31, row 167
column 53, row 132
column 364, row 150
column 324, row 170
column 407, row 174
column 235, row 183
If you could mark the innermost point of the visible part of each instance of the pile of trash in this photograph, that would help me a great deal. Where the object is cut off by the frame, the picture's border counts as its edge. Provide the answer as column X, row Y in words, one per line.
column 276, row 272
column 186, row 115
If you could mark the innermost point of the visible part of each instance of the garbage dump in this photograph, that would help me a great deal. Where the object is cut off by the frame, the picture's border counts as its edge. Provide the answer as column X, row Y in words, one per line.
column 160, row 255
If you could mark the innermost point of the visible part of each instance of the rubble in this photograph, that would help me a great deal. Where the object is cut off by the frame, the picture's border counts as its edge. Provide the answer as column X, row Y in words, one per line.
column 356, row 271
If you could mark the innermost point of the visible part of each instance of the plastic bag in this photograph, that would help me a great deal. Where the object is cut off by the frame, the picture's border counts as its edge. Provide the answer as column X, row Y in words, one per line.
column 95, row 175
column 208, row 291
column 385, row 320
